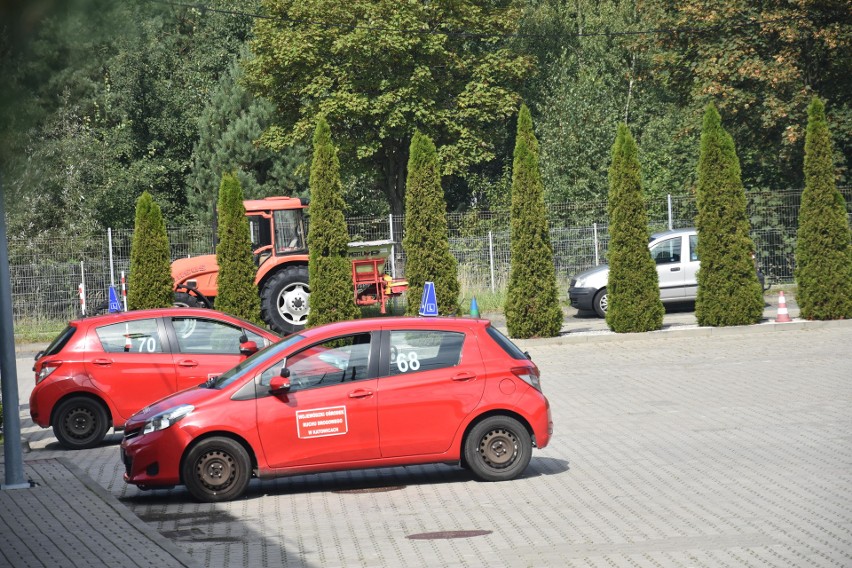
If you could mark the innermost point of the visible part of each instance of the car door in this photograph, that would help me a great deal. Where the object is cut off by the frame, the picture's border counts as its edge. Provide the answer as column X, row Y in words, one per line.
column 431, row 381
column 329, row 413
column 131, row 364
column 203, row 348
column 667, row 256
column 690, row 269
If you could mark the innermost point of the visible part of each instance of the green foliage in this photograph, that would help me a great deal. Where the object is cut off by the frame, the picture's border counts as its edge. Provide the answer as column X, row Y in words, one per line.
column 823, row 250
column 150, row 282
column 729, row 292
column 329, row 268
column 633, row 288
column 236, row 293
column 382, row 69
column 227, row 130
column 532, row 303
column 426, row 241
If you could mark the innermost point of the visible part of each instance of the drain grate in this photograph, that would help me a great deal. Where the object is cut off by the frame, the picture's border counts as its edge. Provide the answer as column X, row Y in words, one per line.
column 384, row 489
column 446, row 535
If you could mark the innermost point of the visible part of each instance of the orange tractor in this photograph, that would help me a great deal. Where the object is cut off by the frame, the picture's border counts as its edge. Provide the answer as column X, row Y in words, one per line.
column 279, row 242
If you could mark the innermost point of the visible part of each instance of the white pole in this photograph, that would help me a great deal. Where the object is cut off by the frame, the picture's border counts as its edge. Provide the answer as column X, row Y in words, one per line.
column 491, row 259
column 111, row 272
column 82, row 289
column 123, row 291
column 597, row 256
column 393, row 246
column 669, row 199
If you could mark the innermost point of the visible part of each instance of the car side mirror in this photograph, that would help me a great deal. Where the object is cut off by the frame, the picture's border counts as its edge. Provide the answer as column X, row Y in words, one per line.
column 248, row 348
column 280, row 384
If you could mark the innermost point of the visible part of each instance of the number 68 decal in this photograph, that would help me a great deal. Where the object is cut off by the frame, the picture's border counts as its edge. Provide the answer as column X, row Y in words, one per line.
column 408, row 362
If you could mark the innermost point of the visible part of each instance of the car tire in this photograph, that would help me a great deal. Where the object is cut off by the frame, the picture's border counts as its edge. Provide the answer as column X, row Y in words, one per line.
column 601, row 302
column 80, row 423
column 216, row 469
column 498, row 449
column 284, row 300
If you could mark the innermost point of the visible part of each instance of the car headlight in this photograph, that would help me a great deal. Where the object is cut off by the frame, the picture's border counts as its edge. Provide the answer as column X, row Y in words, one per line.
column 167, row 418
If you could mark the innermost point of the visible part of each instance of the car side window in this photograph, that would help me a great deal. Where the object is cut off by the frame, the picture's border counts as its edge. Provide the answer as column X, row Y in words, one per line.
column 138, row 336
column 259, row 340
column 693, row 248
column 667, row 251
column 421, row 350
column 200, row 336
column 328, row 363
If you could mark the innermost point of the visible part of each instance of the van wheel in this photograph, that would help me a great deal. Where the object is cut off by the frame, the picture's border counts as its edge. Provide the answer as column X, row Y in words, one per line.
column 498, row 449
column 80, row 423
column 601, row 302
column 216, row 469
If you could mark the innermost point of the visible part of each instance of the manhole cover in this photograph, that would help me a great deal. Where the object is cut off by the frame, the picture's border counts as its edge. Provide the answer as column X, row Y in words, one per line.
column 371, row 489
column 446, row 535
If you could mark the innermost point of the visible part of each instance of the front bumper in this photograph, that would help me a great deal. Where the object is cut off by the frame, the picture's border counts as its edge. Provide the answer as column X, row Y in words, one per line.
column 153, row 460
column 582, row 298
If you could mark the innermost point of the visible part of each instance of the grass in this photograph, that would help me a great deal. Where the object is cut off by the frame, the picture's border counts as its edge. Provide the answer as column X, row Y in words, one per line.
column 37, row 330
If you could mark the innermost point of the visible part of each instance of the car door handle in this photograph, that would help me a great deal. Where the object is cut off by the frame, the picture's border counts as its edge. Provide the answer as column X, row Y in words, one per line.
column 462, row 377
column 361, row 393
column 675, row 268
column 102, row 362
column 188, row 363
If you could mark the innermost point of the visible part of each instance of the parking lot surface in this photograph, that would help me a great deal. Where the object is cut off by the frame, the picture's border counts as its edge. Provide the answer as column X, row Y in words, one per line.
column 686, row 448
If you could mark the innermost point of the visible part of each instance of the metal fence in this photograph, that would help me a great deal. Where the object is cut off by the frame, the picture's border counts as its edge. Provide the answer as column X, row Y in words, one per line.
column 46, row 272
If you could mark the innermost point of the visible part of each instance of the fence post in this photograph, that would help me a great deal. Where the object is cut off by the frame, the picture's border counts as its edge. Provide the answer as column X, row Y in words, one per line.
column 111, row 272
column 491, row 259
column 393, row 246
column 597, row 255
column 669, row 200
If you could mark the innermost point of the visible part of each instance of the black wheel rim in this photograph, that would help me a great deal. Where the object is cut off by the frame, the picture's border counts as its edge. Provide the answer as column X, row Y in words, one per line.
column 216, row 470
column 80, row 423
column 499, row 448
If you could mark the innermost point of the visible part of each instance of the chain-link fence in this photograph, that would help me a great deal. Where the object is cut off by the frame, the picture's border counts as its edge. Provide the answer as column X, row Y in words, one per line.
column 46, row 272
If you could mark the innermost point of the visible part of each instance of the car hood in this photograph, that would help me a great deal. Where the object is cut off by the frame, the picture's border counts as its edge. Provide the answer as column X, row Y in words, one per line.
column 193, row 396
column 598, row 272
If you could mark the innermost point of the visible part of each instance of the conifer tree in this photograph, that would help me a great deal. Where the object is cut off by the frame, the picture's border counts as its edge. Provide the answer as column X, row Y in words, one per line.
column 426, row 241
column 150, row 281
column 329, row 267
column 532, row 303
column 236, row 294
column 823, row 249
column 729, row 292
column 633, row 291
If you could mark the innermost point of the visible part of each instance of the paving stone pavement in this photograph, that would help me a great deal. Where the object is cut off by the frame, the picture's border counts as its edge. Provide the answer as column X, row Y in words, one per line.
column 723, row 447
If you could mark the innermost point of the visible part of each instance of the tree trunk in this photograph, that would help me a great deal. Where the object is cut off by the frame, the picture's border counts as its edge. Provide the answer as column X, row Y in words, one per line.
column 394, row 166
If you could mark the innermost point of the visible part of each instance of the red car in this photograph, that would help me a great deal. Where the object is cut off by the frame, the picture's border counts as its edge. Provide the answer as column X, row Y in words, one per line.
column 100, row 370
column 358, row 394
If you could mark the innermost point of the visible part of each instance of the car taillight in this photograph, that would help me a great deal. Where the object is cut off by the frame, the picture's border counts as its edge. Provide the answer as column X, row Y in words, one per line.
column 529, row 375
column 46, row 369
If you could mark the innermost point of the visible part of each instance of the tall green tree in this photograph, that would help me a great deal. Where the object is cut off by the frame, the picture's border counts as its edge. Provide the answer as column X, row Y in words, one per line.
column 150, row 281
column 382, row 69
column 236, row 293
column 426, row 241
column 532, row 303
column 329, row 267
column 824, row 240
column 633, row 290
column 228, row 129
column 729, row 292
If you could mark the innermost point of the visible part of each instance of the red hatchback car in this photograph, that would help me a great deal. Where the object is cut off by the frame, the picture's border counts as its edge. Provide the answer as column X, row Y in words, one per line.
column 100, row 370
column 349, row 395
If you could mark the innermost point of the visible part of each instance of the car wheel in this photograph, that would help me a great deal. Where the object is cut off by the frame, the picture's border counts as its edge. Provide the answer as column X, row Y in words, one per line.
column 285, row 300
column 80, row 423
column 601, row 302
column 217, row 469
column 498, row 449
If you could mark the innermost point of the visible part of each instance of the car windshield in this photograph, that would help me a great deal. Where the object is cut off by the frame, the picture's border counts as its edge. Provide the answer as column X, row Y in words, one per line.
column 252, row 362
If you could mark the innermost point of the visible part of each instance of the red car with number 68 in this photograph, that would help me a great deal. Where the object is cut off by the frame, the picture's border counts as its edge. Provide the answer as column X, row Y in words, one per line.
column 359, row 394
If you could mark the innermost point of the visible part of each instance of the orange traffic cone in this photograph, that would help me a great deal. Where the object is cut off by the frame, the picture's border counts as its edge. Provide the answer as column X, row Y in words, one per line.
column 783, row 316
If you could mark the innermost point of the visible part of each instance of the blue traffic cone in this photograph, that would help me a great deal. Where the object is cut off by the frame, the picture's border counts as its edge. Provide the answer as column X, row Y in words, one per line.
column 474, row 309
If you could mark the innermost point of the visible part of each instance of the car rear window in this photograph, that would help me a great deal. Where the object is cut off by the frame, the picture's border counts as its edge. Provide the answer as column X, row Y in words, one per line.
column 60, row 341
column 510, row 348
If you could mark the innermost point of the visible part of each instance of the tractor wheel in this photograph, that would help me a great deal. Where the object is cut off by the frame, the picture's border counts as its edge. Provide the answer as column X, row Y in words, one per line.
column 284, row 300
column 184, row 300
